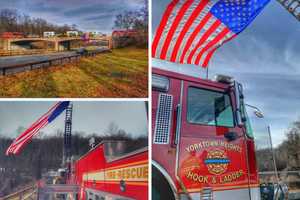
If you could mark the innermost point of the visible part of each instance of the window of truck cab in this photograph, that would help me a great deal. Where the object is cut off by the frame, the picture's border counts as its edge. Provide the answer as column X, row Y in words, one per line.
column 208, row 107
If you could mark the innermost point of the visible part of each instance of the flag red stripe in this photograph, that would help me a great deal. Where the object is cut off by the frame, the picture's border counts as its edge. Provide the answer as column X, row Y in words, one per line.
column 208, row 57
column 29, row 135
column 38, row 121
column 212, row 43
column 186, row 27
column 37, row 127
column 209, row 31
column 16, row 141
column 47, row 113
column 193, row 36
column 14, row 145
column 18, row 147
column 162, row 25
column 173, row 28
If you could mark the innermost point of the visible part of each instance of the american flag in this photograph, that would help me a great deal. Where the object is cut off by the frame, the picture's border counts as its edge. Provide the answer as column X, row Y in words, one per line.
column 190, row 31
column 25, row 137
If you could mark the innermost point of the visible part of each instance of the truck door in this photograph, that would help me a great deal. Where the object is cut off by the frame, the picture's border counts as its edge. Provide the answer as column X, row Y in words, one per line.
column 211, row 149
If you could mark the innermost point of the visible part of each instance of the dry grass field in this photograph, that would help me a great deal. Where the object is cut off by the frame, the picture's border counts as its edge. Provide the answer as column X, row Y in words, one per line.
column 122, row 73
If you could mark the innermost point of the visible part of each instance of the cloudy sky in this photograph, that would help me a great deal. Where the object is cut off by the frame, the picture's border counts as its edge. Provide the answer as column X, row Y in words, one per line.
column 266, row 59
column 89, row 117
column 89, row 15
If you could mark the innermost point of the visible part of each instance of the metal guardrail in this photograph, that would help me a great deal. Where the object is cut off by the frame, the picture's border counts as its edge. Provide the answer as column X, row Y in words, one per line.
column 13, row 69
column 279, row 172
column 20, row 52
column 37, row 64
column 22, row 194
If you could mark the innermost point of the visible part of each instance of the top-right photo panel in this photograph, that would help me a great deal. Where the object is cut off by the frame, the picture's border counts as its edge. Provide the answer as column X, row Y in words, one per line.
column 225, row 106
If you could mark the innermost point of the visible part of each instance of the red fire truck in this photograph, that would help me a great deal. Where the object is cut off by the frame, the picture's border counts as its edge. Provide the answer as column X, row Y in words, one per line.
column 11, row 35
column 202, row 147
column 112, row 171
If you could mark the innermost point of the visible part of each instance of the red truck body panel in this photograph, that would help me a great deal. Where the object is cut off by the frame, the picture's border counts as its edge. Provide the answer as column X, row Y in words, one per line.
column 201, row 144
column 95, row 172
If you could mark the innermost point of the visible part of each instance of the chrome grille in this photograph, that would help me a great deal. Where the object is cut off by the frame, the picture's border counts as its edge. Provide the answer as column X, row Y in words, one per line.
column 163, row 119
column 206, row 194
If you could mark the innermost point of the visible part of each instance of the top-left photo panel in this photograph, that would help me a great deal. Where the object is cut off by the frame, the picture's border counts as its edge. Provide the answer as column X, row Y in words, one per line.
column 74, row 49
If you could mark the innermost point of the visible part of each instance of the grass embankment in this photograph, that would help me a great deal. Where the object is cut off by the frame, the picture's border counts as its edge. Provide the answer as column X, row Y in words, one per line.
column 122, row 73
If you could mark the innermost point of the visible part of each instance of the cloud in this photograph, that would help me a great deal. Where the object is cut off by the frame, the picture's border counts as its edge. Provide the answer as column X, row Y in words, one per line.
column 88, row 14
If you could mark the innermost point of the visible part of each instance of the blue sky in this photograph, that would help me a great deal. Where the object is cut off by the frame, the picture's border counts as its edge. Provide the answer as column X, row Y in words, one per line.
column 89, row 15
column 265, row 58
column 88, row 117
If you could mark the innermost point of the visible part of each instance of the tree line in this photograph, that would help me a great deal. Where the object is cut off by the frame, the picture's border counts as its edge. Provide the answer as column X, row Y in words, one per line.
column 133, row 20
column 287, row 154
column 12, row 20
column 137, row 20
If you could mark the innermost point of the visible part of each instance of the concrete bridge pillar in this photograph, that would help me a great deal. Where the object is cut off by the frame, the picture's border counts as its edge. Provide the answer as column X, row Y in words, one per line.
column 7, row 45
column 110, row 42
column 56, row 46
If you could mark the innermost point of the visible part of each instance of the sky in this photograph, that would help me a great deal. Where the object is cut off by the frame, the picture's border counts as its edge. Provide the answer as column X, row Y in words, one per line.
column 89, row 15
column 88, row 117
column 265, row 58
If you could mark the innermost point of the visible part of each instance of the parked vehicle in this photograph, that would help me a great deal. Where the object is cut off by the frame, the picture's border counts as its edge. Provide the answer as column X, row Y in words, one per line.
column 49, row 34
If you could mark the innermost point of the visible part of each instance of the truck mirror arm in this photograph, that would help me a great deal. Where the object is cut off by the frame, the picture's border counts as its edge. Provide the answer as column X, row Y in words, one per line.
column 178, row 123
column 238, row 91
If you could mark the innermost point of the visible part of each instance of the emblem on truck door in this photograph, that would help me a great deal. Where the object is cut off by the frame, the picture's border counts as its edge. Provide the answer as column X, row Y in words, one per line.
column 216, row 161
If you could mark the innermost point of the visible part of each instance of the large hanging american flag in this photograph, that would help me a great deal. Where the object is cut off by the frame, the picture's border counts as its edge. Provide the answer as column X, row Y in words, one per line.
column 190, row 31
column 25, row 137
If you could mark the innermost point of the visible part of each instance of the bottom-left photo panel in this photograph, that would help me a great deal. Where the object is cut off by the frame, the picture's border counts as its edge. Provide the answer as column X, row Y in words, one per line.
column 74, row 150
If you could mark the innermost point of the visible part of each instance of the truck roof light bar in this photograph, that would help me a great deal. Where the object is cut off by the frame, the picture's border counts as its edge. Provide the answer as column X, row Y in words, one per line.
column 160, row 83
column 223, row 78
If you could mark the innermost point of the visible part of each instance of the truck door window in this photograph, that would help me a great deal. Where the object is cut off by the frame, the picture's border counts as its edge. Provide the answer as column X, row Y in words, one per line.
column 208, row 107
column 249, row 130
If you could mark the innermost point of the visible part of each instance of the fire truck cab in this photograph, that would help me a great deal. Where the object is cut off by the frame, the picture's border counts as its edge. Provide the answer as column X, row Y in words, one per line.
column 202, row 147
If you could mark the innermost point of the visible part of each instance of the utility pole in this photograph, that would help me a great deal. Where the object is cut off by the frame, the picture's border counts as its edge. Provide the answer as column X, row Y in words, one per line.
column 273, row 154
column 67, row 148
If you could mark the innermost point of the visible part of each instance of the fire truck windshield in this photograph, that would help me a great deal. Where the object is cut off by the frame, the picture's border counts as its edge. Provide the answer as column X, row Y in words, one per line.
column 208, row 107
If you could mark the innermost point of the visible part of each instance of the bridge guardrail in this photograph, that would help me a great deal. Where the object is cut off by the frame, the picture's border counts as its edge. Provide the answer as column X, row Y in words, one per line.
column 13, row 69
column 21, row 193
column 21, row 52
column 36, row 65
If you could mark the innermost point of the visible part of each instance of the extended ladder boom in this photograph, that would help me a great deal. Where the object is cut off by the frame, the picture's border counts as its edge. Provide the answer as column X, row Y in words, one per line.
column 293, row 6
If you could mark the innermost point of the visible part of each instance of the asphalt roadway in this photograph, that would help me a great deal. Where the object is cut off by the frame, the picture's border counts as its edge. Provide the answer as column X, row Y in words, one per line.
column 15, row 60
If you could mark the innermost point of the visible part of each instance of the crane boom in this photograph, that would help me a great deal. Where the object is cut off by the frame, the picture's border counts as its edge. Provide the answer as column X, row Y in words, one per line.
column 293, row 6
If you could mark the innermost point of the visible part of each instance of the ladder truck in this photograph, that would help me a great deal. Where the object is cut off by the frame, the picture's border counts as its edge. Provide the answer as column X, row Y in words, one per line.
column 292, row 6
column 203, row 145
column 202, row 142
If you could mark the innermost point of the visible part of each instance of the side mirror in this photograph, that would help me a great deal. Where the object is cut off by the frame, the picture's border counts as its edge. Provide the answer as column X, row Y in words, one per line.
column 258, row 114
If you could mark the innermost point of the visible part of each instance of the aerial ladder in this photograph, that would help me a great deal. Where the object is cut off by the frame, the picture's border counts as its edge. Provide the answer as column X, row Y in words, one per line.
column 292, row 6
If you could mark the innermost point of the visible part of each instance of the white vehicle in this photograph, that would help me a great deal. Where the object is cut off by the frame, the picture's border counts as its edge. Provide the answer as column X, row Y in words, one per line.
column 72, row 33
column 49, row 34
